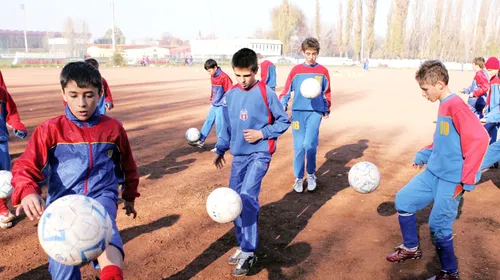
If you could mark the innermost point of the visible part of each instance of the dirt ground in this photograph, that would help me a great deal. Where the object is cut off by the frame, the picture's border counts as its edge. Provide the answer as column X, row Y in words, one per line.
column 333, row 233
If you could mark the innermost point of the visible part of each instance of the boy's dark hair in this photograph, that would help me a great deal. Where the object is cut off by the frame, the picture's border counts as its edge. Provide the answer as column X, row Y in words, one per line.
column 431, row 72
column 479, row 61
column 210, row 63
column 83, row 74
column 93, row 62
column 310, row 43
column 245, row 58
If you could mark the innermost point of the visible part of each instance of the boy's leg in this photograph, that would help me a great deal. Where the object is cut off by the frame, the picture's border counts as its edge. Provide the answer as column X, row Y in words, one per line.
column 441, row 220
column 492, row 129
column 492, row 155
column 5, row 216
column 219, row 121
column 61, row 271
column 311, row 140
column 299, row 131
column 238, row 170
column 209, row 123
column 416, row 195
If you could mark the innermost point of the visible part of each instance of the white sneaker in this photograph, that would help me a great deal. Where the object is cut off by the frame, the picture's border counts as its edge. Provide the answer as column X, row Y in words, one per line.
column 298, row 186
column 233, row 259
column 213, row 150
column 6, row 220
column 198, row 144
column 311, row 182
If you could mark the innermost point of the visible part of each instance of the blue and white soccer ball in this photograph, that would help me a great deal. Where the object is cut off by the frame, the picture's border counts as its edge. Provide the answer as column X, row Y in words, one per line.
column 224, row 205
column 75, row 229
column 5, row 183
column 364, row 177
column 193, row 134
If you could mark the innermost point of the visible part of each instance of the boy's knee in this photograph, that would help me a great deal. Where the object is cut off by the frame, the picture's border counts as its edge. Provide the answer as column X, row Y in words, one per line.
column 309, row 147
column 401, row 204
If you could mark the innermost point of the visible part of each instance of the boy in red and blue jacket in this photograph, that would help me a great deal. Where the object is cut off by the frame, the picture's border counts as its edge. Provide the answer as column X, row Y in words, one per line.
column 253, row 120
column 478, row 90
column 492, row 109
column 267, row 72
column 221, row 83
column 106, row 100
column 80, row 152
column 307, row 113
column 453, row 162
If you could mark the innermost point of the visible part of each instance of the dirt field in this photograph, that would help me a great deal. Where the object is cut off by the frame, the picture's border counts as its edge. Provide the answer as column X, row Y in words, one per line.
column 333, row 233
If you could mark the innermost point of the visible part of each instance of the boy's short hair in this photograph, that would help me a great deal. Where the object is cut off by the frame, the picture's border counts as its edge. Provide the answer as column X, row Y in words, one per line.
column 431, row 72
column 83, row 74
column 310, row 43
column 93, row 62
column 210, row 63
column 245, row 58
column 479, row 61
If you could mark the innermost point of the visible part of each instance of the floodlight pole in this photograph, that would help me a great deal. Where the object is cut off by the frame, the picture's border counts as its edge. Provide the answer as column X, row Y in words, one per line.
column 25, row 35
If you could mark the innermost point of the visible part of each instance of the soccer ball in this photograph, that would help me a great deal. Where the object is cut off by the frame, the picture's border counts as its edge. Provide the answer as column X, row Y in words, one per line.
column 5, row 186
column 193, row 134
column 310, row 88
column 364, row 177
column 224, row 205
column 75, row 229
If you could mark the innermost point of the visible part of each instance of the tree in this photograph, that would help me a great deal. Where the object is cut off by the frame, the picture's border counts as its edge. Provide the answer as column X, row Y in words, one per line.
column 317, row 25
column 370, row 23
column 398, row 27
column 107, row 38
column 348, row 26
column 481, row 27
column 435, row 43
column 358, row 32
column 287, row 21
column 388, row 46
column 70, row 36
column 340, row 28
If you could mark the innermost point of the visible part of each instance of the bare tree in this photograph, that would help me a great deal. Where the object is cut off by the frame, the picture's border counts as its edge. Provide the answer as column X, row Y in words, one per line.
column 287, row 20
column 317, row 25
column 348, row 26
column 388, row 46
column 370, row 23
column 70, row 36
column 340, row 29
column 398, row 27
column 481, row 27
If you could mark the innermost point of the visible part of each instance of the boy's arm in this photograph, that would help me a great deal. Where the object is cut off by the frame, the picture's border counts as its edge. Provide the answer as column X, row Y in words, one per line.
column 227, row 84
column 13, row 118
column 129, row 168
column 327, row 92
column 482, row 83
column 474, row 141
column 109, row 97
column 287, row 91
column 281, row 119
column 28, row 169
column 264, row 72
column 423, row 155
column 2, row 83
column 224, row 140
column 493, row 115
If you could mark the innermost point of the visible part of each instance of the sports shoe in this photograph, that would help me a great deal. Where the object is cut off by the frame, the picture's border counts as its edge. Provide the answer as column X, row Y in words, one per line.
column 311, row 182
column 445, row 275
column 213, row 150
column 298, row 186
column 233, row 259
column 6, row 220
column 402, row 253
column 198, row 144
column 244, row 265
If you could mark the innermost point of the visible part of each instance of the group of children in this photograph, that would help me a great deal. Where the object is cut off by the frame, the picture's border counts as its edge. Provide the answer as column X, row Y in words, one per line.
column 88, row 153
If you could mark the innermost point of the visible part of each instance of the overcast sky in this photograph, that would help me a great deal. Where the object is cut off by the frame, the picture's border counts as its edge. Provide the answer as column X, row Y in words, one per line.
column 181, row 18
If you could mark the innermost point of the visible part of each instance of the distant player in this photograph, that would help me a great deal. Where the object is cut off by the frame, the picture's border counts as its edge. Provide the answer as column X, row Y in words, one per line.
column 221, row 83
column 492, row 109
column 453, row 162
column 106, row 100
column 267, row 72
column 306, row 113
column 10, row 116
column 253, row 120
column 477, row 92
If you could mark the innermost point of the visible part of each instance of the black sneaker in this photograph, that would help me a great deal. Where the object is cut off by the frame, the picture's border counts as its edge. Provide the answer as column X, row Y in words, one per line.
column 443, row 275
column 244, row 265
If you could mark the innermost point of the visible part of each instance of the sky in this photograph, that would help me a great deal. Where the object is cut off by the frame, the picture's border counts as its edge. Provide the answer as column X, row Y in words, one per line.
column 138, row 19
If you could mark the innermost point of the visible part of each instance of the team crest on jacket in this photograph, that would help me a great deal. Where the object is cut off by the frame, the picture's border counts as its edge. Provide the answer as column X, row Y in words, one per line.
column 319, row 79
column 243, row 115
column 110, row 153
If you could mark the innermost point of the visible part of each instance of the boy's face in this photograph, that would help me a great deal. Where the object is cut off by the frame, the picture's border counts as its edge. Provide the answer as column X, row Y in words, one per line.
column 82, row 102
column 310, row 55
column 476, row 67
column 430, row 92
column 212, row 71
column 492, row 72
column 245, row 77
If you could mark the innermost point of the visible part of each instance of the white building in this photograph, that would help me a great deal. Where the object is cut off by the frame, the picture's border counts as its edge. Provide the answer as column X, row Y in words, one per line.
column 225, row 48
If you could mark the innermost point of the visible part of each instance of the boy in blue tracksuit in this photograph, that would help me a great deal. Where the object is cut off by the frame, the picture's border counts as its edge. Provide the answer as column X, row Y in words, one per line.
column 480, row 85
column 267, row 72
column 306, row 113
column 453, row 162
column 221, row 83
column 253, row 120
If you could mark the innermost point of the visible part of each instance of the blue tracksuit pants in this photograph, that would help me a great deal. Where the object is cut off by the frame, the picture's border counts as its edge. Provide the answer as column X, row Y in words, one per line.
column 60, row 271
column 4, row 156
column 247, row 173
column 305, row 127
column 216, row 117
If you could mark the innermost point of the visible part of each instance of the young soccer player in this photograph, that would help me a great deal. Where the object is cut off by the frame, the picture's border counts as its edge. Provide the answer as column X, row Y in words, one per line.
column 453, row 162
column 221, row 83
column 80, row 152
column 267, row 72
column 253, row 120
column 492, row 109
column 306, row 113
column 11, row 117
column 106, row 100
column 480, row 85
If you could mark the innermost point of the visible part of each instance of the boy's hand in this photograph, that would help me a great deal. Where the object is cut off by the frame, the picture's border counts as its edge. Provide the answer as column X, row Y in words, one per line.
column 219, row 161
column 326, row 116
column 33, row 205
column 20, row 133
column 252, row 135
column 129, row 208
column 109, row 106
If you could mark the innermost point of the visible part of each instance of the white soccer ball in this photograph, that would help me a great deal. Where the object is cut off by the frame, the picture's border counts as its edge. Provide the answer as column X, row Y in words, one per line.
column 5, row 185
column 75, row 229
column 193, row 134
column 224, row 205
column 364, row 177
column 310, row 88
